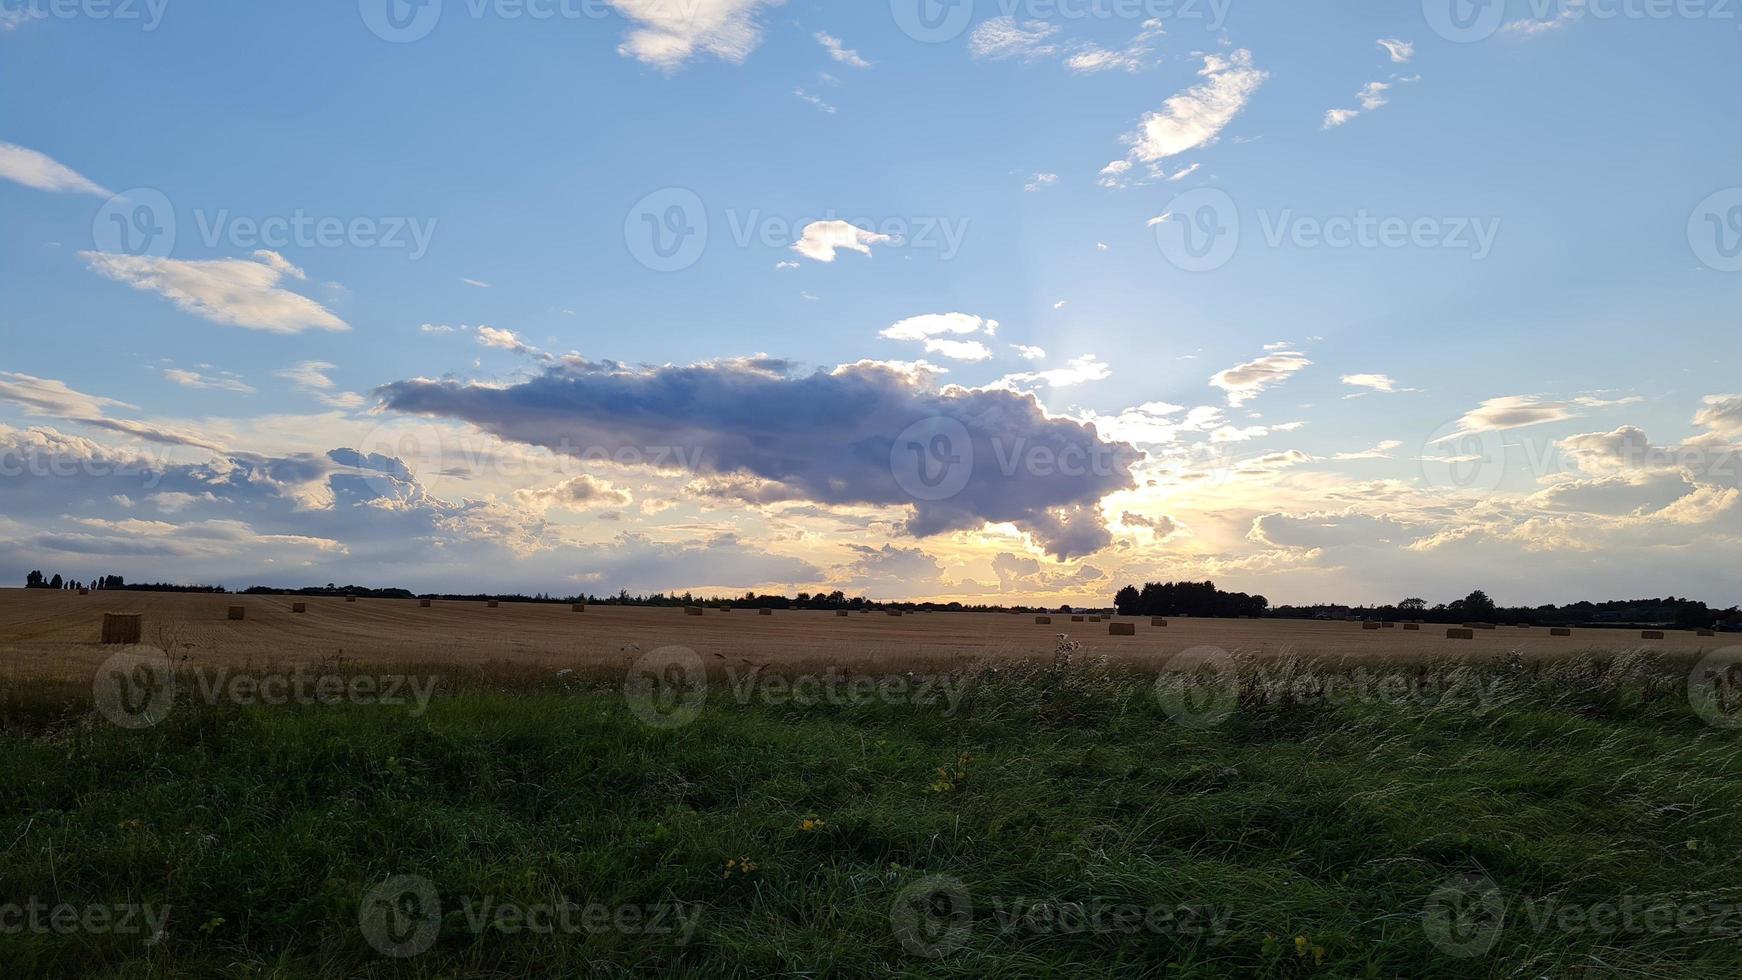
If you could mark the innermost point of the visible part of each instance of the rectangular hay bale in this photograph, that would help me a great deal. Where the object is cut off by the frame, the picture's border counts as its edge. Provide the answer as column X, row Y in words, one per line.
column 692, row 610
column 1043, row 620
column 842, row 612
column 1157, row 621
column 1412, row 626
column 1371, row 624
column 299, row 607
column 1651, row 634
column 1460, row 633
column 765, row 612
column 1076, row 619
column 1121, row 629
column 493, row 604
column 423, row 603
column 1560, row 631
column 578, row 607
column 122, row 628
column 238, row 612
column 1706, row 632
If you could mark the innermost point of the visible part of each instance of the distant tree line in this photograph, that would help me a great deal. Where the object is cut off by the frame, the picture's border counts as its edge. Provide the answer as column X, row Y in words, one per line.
column 36, row 580
column 1477, row 607
column 1187, row 599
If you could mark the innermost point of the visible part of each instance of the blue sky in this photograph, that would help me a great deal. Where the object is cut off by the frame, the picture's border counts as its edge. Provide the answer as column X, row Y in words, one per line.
column 1557, row 293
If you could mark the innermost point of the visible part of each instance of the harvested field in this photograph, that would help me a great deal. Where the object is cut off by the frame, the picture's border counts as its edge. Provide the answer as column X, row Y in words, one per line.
column 55, row 635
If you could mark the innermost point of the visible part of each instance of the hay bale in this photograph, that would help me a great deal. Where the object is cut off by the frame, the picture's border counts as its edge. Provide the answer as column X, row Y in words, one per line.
column 122, row 628
column 1076, row 619
column 238, row 612
column 764, row 612
column 578, row 607
column 423, row 603
column 1390, row 626
column 1157, row 621
column 1094, row 619
column 692, row 610
column 894, row 612
column 1043, row 620
column 493, row 604
column 299, row 607
column 350, row 598
column 1412, row 626
column 842, row 613
column 1457, row 633
column 1651, row 635
column 1370, row 624
column 1121, row 629
column 1560, row 631
column 1706, row 632
column 84, row 592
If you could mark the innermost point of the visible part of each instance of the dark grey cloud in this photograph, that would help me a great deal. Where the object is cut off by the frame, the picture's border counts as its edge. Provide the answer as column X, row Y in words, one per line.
column 760, row 430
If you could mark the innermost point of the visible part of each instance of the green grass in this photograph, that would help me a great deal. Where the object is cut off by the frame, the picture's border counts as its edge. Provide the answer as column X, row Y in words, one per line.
column 262, row 828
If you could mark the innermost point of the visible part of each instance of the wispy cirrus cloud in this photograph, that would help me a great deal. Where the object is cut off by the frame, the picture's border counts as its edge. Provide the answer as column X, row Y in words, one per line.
column 1244, row 382
column 237, row 292
column 39, row 171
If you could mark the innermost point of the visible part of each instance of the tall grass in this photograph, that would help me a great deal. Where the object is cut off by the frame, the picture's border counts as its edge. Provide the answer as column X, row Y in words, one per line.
column 1308, row 834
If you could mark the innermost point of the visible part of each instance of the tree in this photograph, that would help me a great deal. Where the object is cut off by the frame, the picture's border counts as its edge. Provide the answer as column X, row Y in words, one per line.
column 56, row 583
column 1478, row 605
column 34, row 581
column 1126, row 601
column 1413, row 605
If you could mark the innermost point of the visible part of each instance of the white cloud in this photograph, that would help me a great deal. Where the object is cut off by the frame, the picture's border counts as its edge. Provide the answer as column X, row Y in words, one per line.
column 958, row 350
column 1511, row 412
column 1721, row 414
column 821, row 239
column 1029, row 353
column 1381, row 451
column 785, row 264
column 37, row 170
column 1571, row 11
column 193, row 379
column 1372, row 382
column 1400, row 51
column 1243, row 382
column 1091, row 58
column 1371, row 97
column 1040, row 181
column 238, row 292
column 670, row 34
column 839, row 52
column 577, row 493
column 475, row 283
column 1004, row 37
column 1197, row 116
column 1079, row 371
column 436, row 328
column 310, row 377
column 813, row 100
column 1059, row 305
column 938, row 324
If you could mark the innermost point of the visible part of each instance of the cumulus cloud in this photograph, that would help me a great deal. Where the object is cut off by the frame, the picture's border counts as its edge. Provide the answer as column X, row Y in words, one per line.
column 829, row 437
column 576, row 493
column 1196, row 116
column 1243, row 382
column 1028, row 353
column 1721, row 414
column 840, row 52
column 821, row 239
column 670, row 34
column 237, row 292
column 958, row 350
column 1159, row 527
column 36, row 170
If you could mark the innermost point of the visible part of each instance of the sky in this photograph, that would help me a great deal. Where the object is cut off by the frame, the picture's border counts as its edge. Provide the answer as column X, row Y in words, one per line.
column 1005, row 302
